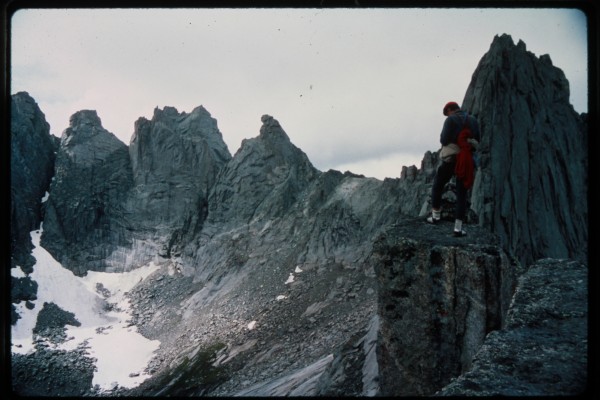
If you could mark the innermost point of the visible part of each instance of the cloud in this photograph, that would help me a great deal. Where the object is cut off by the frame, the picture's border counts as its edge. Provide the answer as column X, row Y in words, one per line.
column 347, row 85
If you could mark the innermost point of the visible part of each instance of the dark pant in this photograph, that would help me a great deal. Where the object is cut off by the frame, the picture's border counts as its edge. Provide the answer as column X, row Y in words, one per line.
column 443, row 175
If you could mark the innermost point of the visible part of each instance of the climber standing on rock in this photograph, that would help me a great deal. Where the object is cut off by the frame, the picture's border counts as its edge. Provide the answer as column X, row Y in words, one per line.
column 459, row 137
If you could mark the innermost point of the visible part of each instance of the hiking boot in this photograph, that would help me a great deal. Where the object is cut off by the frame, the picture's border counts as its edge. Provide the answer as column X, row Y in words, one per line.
column 435, row 217
column 460, row 233
column 433, row 220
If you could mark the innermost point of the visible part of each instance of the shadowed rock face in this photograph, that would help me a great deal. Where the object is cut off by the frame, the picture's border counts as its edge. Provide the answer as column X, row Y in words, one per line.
column 175, row 159
column 31, row 169
column 115, row 208
column 532, row 187
column 32, row 150
column 85, row 219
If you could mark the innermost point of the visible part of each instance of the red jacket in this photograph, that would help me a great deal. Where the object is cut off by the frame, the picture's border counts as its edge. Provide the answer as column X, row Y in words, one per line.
column 465, row 167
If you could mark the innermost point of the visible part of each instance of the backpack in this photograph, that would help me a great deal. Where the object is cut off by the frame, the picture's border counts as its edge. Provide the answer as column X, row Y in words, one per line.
column 465, row 167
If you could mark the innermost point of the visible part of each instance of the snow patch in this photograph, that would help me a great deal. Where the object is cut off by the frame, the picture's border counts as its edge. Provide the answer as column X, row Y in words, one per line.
column 297, row 270
column 120, row 350
column 17, row 272
column 252, row 325
column 348, row 187
column 290, row 279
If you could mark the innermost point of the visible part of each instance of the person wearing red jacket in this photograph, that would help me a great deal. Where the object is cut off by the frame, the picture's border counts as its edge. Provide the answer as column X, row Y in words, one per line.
column 457, row 160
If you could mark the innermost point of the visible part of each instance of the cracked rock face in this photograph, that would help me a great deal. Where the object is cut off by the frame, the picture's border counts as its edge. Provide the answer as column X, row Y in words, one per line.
column 532, row 187
column 175, row 159
column 114, row 207
column 85, row 220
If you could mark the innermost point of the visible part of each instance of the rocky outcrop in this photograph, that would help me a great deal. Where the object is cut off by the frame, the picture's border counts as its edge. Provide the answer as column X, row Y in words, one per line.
column 439, row 296
column 532, row 187
column 85, row 219
column 49, row 373
column 542, row 349
column 32, row 155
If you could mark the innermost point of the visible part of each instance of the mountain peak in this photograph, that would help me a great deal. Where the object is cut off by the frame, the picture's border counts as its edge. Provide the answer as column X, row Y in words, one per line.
column 271, row 159
column 84, row 126
column 502, row 41
column 522, row 104
column 167, row 111
column 272, row 131
column 84, row 118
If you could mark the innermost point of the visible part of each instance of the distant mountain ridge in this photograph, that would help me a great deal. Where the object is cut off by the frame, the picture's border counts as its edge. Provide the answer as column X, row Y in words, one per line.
column 308, row 255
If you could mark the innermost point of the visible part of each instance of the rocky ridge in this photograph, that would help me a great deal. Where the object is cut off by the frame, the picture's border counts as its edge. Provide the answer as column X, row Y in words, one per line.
column 273, row 277
column 113, row 206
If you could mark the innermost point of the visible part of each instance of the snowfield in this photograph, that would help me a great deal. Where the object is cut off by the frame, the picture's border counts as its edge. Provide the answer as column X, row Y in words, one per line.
column 121, row 353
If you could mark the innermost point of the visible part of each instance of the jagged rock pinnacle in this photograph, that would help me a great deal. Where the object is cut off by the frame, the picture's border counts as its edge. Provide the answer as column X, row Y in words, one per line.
column 84, row 117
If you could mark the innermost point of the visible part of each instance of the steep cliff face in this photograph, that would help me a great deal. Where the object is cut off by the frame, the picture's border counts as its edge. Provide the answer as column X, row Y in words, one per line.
column 85, row 219
column 175, row 159
column 115, row 208
column 532, row 187
column 32, row 156
column 31, row 169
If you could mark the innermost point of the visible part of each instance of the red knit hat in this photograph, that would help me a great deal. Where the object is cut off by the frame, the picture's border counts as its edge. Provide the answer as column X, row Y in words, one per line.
column 450, row 106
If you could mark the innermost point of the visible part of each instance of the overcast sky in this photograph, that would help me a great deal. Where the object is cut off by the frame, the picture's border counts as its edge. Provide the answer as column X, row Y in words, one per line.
column 355, row 89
